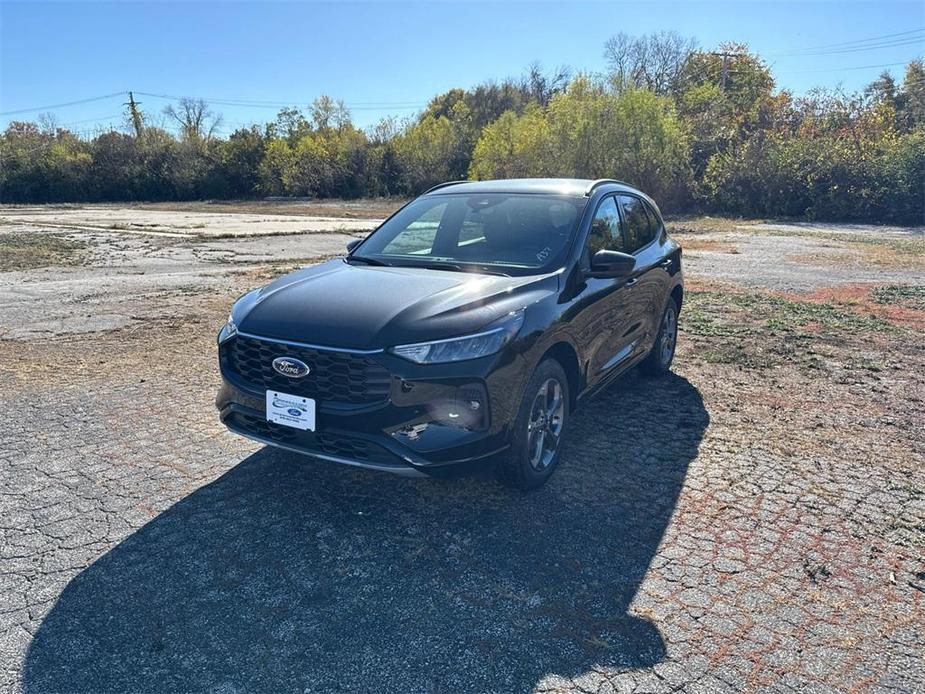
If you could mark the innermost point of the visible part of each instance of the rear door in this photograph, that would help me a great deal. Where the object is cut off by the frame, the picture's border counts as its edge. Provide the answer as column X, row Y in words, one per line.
column 643, row 234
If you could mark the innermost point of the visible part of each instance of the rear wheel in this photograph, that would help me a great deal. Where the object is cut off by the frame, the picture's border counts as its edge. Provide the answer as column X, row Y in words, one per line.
column 538, row 430
column 659, row 360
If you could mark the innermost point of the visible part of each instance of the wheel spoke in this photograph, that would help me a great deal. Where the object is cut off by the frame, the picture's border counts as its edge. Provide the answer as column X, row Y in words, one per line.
column 537, row 456
column 552, row 440
column 553, row 408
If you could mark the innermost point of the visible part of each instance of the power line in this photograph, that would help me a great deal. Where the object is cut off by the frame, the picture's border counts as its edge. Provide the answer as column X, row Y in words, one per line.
column 863, row 49
column 856, row 49
column 62, row 105
column 90, row 120
column 859, row 43
column 243, row 103
column 841, row 69
column 258, row 103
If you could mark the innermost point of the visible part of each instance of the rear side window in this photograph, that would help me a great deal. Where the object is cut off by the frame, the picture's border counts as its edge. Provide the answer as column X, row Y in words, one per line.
column 606, row 234
column 639, row 228
column 656, row 220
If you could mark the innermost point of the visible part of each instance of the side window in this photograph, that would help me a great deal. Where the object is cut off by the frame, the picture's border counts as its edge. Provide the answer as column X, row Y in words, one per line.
column 655, row 218
column 639, row 230
column 605, row 234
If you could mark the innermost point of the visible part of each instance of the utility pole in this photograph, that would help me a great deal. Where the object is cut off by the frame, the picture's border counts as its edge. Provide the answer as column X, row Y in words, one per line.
column 135, row 114
column 725, row 56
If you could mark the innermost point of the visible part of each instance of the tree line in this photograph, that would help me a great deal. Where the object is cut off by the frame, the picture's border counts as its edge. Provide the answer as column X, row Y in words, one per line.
column 699, row 130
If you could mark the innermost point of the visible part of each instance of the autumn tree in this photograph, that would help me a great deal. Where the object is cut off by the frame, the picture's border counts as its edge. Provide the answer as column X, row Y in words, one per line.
column 195, row 119
column 654, row 61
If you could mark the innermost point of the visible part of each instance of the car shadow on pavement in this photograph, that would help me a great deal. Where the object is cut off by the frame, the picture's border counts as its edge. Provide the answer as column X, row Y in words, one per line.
column 291, row 575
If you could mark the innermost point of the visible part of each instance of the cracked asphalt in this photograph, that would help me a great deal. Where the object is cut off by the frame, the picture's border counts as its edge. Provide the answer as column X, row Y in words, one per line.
column 753, row 522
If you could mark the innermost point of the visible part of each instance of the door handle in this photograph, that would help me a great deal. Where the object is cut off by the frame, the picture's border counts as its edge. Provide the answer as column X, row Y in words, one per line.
column 630, row 282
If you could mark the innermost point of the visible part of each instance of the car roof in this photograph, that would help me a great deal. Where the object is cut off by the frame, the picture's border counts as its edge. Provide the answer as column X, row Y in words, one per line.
column 578, row 187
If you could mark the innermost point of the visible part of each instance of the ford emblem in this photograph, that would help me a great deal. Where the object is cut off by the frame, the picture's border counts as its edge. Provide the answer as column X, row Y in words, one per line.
column 291, row 368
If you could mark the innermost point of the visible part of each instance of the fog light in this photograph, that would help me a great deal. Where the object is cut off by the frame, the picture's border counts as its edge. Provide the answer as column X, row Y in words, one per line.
column 473, row 399
column 466, row 409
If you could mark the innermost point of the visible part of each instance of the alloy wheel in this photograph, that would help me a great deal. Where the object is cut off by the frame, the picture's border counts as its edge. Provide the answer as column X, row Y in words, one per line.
column 669, row 335
column 544, row 428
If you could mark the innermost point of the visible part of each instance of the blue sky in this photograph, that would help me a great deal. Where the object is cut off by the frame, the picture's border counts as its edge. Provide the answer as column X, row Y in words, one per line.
column 389, row 58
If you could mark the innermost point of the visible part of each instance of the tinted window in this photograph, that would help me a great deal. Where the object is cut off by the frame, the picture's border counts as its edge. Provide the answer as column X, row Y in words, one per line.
column 639, row 230
column 653, row 216
column 605, row 234
column 519, row 231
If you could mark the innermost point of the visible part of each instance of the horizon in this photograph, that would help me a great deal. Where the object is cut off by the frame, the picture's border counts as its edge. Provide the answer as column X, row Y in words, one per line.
column 247, row 64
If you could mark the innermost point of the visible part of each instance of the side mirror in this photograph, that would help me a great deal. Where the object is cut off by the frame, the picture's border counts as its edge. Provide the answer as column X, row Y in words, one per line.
column 353, row 244
column 611, row 265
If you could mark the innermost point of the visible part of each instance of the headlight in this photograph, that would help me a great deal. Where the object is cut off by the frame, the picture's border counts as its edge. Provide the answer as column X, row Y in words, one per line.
column 228, row 331
column 473, row 346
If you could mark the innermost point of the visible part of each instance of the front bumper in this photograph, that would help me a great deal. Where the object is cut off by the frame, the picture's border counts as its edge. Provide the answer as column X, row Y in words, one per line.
column 417, row 429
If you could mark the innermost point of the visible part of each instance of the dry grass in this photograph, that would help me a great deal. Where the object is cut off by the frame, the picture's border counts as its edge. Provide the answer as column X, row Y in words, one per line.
column 696, row 224
column 372, row 208
column 701, row 244
column 31, row 251
column 886, row 255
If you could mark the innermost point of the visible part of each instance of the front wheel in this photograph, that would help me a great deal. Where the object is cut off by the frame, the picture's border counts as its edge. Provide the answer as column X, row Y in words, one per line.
column 538, row 430
column 662, row 353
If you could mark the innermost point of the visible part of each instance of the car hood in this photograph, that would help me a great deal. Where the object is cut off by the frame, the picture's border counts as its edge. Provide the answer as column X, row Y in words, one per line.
column 369, row 307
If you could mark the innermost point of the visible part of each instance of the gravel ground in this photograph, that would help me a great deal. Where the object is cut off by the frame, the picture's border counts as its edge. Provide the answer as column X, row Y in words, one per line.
column 175, row 223
column 767, row 534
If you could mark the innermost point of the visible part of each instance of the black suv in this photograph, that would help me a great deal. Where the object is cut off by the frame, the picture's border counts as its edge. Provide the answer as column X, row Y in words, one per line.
column 465, row 328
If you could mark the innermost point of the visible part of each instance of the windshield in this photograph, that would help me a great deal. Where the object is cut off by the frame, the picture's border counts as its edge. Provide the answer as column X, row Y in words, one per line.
column 494, row 230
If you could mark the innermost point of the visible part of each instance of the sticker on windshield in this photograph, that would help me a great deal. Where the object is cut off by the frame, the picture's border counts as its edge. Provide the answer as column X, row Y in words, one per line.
column 543, row 254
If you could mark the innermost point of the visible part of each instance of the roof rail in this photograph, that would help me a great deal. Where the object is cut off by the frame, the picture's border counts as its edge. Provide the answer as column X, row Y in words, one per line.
column 443, row 185
column 601, row 181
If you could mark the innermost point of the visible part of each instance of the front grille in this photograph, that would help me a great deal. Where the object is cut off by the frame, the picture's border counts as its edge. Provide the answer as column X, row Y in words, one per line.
column 324, row 442
column 335, row 377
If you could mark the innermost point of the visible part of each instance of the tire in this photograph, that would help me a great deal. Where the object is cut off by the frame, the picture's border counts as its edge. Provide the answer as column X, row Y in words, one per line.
column 537, row 436
column 658, row 361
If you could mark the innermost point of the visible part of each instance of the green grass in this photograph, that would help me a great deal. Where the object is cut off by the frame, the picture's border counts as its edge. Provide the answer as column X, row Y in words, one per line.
column 718, row 313
column 905, row 295
column 756, row 330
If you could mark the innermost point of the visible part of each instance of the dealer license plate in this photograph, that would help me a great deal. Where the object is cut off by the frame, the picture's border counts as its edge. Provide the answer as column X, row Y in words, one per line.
column 291, row 410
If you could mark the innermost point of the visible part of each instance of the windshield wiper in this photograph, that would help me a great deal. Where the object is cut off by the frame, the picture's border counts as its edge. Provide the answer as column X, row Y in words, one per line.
column 430, row 265
column 457, row 267
column 484, row 270
column 367, row 260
